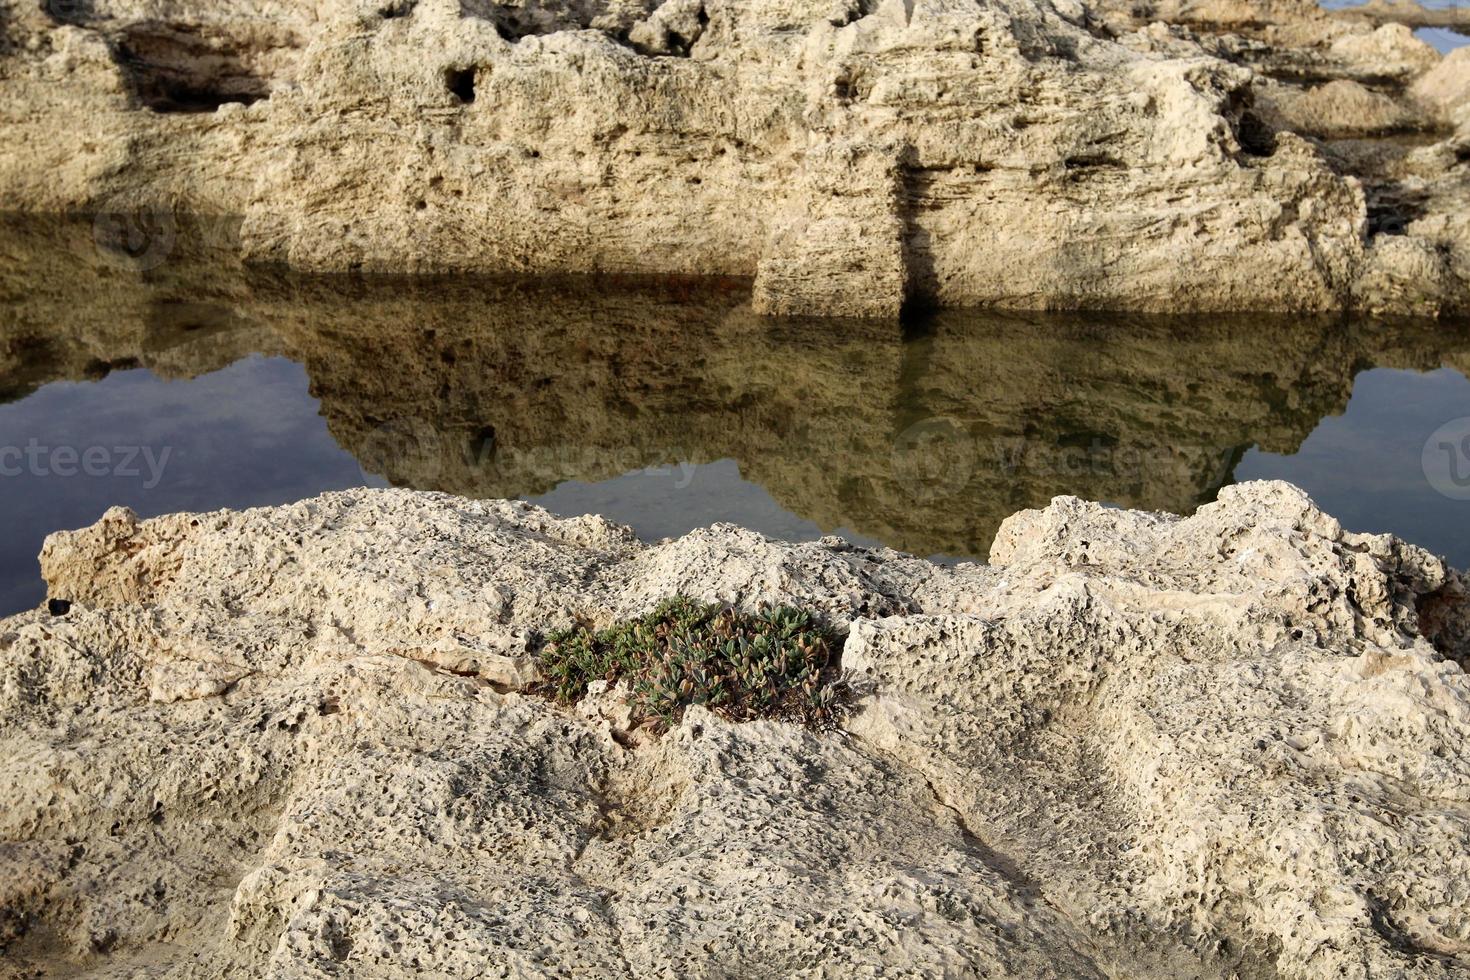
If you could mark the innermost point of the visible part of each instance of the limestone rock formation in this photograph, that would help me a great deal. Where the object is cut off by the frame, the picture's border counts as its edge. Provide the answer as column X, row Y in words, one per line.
column 1381, row 105
column 850, row 155
column 291, row 742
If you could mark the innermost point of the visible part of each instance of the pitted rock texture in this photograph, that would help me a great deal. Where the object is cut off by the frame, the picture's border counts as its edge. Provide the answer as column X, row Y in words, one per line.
column 290, row 742
column 850, row 155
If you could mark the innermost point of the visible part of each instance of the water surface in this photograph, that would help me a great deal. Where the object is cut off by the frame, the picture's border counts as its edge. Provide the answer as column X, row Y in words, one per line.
column 191, row 384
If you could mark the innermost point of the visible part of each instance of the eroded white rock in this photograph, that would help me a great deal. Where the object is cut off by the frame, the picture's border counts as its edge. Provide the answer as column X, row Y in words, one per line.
column 1133, row 745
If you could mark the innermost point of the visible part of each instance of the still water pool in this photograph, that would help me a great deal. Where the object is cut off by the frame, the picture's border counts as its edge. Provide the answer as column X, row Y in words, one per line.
column 195, row 384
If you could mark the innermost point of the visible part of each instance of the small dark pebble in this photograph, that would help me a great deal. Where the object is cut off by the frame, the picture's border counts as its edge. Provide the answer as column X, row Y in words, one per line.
column 58, row 607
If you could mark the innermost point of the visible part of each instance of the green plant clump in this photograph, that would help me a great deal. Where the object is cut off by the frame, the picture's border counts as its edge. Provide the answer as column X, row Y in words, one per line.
column 774, row 664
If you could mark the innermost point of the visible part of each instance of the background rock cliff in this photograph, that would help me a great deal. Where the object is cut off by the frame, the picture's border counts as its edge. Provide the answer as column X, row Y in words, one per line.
column 850, row 155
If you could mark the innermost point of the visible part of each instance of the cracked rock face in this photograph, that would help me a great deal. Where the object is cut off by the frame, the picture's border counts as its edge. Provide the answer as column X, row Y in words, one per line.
column 850, row 155
column 292, row 742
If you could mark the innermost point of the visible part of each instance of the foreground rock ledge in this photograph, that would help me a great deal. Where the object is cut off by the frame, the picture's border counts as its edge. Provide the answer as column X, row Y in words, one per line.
column 288, row 742
column 849, row 155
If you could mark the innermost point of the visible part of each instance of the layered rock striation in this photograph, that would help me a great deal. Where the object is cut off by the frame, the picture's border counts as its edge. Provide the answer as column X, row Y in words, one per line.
column 849, row 155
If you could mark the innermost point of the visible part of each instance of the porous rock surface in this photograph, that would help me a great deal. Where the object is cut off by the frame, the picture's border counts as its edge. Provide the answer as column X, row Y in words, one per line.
column 292, row 742
column 850, row 155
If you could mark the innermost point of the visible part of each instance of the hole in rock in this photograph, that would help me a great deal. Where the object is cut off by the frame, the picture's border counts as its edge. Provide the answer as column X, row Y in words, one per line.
column 397, row 8
column 58, row 607
column 180, row 68
column 68, row 11
column 1391, row 211
column 1092, row 161
column 483, row 444
column 849, row 87
column 1256, row 138
column 1251, row 132
column 1444, row 615
column 461, row 84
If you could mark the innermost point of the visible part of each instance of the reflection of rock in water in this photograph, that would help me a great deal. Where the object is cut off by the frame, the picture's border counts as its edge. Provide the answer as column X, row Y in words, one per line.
column 1015, row 410
column 72, row 311
column 506, row 389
